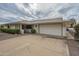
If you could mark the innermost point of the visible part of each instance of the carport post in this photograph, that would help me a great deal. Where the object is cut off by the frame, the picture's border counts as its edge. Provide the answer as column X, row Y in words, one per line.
column 21, row 30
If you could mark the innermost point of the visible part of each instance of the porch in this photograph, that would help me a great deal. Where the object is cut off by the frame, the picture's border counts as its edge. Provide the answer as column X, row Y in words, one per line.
column 26, row 28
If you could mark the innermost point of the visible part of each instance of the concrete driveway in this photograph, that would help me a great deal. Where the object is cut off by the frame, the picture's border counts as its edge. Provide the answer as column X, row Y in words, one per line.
column 33, row 45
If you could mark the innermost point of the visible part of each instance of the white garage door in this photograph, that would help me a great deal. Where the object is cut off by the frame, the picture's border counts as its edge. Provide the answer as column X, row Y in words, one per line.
column 51, row 29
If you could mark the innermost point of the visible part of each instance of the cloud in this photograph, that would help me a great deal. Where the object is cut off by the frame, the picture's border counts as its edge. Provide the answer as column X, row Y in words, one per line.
column 10, row 12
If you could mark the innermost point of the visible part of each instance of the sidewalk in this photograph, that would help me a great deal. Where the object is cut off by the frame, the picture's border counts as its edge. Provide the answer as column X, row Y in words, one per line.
column 73, row 47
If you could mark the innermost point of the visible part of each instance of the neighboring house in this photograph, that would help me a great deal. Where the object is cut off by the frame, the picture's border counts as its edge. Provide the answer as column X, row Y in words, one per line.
column 56, row 26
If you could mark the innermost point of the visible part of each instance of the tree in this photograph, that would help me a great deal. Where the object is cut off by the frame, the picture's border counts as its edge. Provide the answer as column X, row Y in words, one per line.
column 76, row 27
column 73, row 22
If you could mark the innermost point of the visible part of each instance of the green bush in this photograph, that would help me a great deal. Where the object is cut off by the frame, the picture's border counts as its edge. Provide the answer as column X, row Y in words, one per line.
column 33, row 31
column 76, row 27
column 12, row 31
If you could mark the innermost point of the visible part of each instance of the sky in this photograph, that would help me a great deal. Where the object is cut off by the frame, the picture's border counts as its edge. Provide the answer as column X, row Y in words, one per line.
column 13, row 12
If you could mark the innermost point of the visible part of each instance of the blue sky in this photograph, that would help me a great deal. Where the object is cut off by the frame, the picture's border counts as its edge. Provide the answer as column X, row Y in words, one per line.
column 13, row 12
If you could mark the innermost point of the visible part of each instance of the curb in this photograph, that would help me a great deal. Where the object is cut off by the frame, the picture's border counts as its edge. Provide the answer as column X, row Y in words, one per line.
column 67, row 49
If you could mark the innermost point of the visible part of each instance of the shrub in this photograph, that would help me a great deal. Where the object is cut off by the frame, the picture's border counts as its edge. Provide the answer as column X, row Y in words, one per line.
column 33, row 31
column 76, row 27
column 12, row 31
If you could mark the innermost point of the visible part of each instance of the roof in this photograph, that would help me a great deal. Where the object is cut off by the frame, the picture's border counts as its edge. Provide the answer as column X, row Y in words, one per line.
column 54, row 20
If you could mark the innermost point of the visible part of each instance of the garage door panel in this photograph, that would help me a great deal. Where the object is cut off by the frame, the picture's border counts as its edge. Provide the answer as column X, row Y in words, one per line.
column 51, row 29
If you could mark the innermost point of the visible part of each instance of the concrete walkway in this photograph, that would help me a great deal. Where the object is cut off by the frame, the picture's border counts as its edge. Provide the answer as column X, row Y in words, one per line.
column 33, row 45
column 69, row 36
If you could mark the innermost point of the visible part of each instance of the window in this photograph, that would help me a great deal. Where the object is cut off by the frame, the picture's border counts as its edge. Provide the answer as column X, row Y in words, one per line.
column 29, row 27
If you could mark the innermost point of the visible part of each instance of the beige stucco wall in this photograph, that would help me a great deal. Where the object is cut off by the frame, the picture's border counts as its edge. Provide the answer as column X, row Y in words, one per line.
column 12, row 26
column 5, row 26
column 15, row 26
column 64, row 31
column 36, row 28
column 58, row 29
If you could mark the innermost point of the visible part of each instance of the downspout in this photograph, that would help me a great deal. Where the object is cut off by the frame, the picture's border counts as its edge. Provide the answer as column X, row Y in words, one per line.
column 39, row 28
column 62, row 28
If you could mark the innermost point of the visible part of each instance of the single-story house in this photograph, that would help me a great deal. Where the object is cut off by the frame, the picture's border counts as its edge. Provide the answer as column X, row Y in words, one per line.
column 55, row 26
